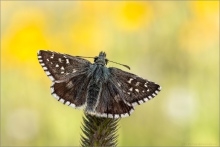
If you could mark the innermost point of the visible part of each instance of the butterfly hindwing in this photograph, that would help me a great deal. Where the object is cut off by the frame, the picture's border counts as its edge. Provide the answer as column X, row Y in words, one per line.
column 111, row 103
column 72, row 92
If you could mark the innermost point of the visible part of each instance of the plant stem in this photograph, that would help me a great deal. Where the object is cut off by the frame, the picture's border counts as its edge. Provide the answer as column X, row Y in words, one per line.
column 99, row 131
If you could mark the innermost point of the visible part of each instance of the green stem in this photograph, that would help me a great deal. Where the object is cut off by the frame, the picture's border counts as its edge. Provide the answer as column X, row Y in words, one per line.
column 99, row 131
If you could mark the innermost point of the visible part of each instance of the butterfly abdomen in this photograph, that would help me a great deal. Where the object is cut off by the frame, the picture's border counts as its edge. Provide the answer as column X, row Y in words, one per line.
column 92, row 98
column 94, row 89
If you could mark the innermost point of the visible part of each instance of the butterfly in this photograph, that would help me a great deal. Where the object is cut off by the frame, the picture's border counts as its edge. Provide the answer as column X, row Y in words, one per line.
column 99, row 90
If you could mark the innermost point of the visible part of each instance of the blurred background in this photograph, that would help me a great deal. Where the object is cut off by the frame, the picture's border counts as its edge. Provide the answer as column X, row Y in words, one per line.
column 175, row 44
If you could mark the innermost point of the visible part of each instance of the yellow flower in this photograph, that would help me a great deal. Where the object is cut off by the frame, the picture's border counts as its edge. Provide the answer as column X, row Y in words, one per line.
column 201, row 31
column 23, row 37
column 131, row 16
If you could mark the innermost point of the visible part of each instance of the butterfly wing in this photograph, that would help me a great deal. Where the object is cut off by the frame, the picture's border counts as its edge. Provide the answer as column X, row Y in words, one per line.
column 69, row 76
column 111, row 103
column 136, row 89
column 61, row 66
column 72, row 92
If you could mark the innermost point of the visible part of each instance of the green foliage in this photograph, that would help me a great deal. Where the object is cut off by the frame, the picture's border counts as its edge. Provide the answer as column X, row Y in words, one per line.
column 99, row 131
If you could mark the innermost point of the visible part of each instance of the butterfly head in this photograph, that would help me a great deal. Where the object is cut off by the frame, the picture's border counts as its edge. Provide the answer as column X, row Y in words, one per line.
column 101, row 59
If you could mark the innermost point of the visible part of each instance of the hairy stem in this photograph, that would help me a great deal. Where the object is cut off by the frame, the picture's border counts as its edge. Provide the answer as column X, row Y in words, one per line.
column 99, row 131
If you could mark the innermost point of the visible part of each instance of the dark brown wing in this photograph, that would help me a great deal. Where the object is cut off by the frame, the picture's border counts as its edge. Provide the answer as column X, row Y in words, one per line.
column 61, row 66
column 69, row 75
column 136, row 89
column 72, row 92
column 111, row 103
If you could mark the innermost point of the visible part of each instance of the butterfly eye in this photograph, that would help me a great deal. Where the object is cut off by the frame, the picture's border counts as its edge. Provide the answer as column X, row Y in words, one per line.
column 106, row 61
column 95, row 59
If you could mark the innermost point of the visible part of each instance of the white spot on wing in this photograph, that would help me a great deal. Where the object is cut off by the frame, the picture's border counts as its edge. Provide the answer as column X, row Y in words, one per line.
column 48, row 60
column 52, row 84
column 61, row 100
column 51, row 77
column 57, row 65
column 62, row 68
column 56, row 96
column 137, row 90
column 134, row 104
column 47, row 72
column 141, row 101
column 130, row 80
column 131, row 89
column 137, row 83
column 40, row 60
column 39, row 57
column 125, row 115
column 131, row 111
column 67, row 103
column 160, row 88
column 146, row 99
column 45, row 68
column 145, row 85
column 110, row 116
column 52, row 56
column 116, row 116
column 103, row 115
column 52, row 89
column 67, row 61
column 73, row 105
column 74, row 70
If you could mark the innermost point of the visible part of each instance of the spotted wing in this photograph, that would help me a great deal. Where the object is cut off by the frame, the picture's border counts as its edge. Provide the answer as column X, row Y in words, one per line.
column 111, row 103
column 61, row 66
column 72, row 92
column 136, row 89
column 69, row 76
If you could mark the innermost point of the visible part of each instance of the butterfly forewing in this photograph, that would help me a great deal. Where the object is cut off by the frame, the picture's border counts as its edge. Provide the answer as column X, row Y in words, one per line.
column 59, row 66
column 136, row 89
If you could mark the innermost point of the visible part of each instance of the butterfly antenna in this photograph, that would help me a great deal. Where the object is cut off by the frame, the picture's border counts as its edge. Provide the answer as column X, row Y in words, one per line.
column 121, row 64
column 84, row 57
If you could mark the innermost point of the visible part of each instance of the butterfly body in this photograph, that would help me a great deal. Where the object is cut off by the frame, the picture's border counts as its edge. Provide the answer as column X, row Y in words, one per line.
column 100, row 91
column 98, row 76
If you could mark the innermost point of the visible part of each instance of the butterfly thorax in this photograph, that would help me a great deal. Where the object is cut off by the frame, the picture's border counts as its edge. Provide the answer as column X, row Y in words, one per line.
column 101, row 59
